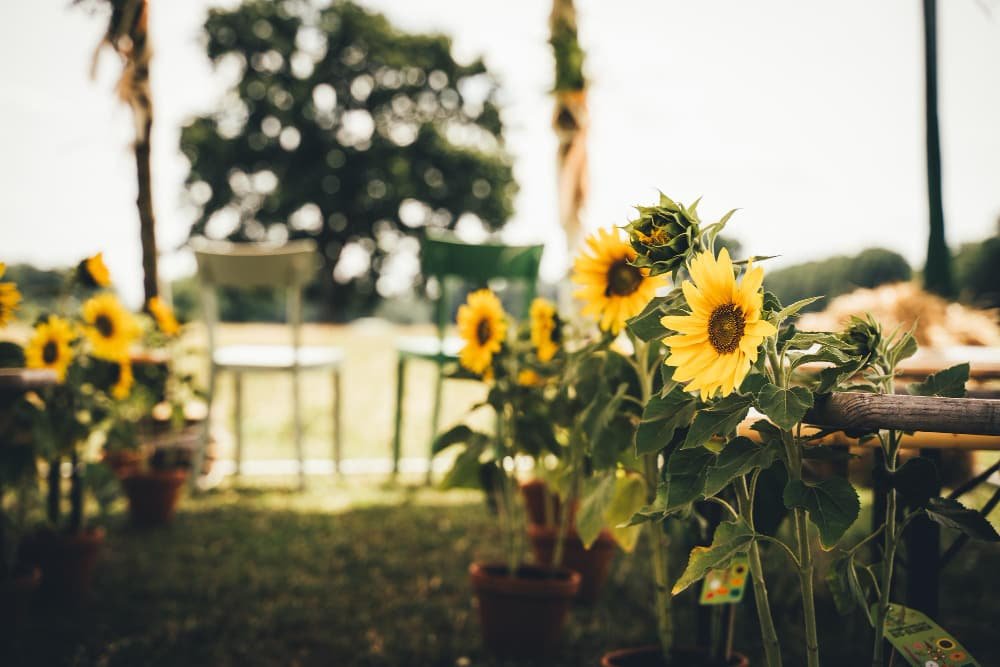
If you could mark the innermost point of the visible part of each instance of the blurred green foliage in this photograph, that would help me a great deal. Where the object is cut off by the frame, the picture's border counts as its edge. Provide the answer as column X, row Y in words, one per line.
column 346, row 130
column 837, row 275
column 977, row 272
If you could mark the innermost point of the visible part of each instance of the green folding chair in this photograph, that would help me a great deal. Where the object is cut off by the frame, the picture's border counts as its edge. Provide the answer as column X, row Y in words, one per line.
column 452, row 264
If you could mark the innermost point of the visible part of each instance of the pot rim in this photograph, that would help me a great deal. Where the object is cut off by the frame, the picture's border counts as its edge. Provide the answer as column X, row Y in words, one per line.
column 176, row 475
column 737, row 659
column 485, row 581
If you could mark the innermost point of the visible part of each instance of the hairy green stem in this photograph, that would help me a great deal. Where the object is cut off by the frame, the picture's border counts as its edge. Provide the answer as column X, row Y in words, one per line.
column 890, row 540
column 806, row 584
column 661, row 574
column 769, row 635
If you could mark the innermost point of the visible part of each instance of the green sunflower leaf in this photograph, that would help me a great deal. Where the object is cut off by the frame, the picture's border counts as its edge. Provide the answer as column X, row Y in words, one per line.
column 833, row 505
column 785, row 407
column 793, row 309
column 721, row 418
column 731, row 538
column 950, row 382
column 662, row 416
column 953, row 514
column 739, row 457
column 687, row 471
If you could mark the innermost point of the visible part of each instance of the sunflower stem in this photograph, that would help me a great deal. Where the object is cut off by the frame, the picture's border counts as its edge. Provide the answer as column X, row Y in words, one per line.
column 772, row 647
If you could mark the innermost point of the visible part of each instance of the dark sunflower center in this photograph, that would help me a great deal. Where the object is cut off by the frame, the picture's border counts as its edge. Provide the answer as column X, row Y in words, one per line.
column 50, row 352
column 104, row 325
column 623, row 279
column 484, row 331
column 556, row 335
column 725, row 328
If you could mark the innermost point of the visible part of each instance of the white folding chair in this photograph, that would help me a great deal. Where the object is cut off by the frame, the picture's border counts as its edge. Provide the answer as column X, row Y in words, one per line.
column 285, row 267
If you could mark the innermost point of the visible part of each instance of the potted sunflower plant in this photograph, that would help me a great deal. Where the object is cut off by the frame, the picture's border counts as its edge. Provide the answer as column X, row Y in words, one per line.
column 580, row 406
column 522, row 607
column 618, row 290
column 731, row 348
column 150, row 437
column 18, row 581
column 87, row 348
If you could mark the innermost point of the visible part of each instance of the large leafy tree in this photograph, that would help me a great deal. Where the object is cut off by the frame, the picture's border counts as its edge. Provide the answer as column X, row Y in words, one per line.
column 344, row 129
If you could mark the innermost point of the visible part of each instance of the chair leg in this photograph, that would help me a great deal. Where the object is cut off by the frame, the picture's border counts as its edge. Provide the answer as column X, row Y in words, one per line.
column 435, row 420
column 198, row 464
column 297, row 408
column 398, row 426
column 337, row 410
column 238, row 419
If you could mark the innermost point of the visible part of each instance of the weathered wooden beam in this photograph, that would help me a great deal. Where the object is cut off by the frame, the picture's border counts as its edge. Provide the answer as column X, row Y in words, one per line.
column 868, row 412
column 14, row 381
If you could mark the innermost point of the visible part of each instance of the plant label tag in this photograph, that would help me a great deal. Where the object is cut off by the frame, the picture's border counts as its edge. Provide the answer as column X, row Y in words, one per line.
column 726, row 585
column 922, row 641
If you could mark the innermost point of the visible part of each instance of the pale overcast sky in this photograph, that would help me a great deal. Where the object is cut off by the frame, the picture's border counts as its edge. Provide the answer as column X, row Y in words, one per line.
column 808, row 116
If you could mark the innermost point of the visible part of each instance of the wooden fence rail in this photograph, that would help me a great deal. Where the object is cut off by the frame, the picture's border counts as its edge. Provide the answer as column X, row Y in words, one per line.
column 869, row 412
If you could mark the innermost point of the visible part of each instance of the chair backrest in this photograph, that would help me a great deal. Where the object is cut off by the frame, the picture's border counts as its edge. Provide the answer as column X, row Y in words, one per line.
column 447, row 259
column 288, row 267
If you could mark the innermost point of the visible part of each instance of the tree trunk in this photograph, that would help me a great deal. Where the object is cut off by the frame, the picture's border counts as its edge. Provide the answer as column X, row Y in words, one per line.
column 144, row 201
column 937, row 272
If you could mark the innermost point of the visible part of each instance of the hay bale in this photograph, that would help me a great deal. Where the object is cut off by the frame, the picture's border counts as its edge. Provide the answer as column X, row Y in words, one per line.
column 939, row 324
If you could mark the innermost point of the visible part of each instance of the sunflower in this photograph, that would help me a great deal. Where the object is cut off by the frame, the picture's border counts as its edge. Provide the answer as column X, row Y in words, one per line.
column 93, row 272
column 611, row 288
column 529, row 378
column 123, row 380
column 111, row 329
column 10, row 299
column 546, row 329
column 721, row 338
column 164, row 316
column 50, row 346
column 483, row 326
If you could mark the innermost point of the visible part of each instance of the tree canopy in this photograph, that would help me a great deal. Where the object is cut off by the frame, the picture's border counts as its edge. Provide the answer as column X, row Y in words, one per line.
column 344, row 129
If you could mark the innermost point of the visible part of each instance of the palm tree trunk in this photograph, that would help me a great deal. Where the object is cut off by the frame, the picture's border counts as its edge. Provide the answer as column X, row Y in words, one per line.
column 937, row 272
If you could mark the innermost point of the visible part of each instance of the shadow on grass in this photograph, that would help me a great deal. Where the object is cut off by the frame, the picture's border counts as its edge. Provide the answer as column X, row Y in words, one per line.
column 263, row 577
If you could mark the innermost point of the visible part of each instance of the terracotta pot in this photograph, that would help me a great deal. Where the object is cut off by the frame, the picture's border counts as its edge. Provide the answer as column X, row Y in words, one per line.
column 15, row 599
column 524, row 615
column 153, row 495
column 123, row 462
column 533, row 491
column 651, row 656
column 67, row 560
column 593, row 564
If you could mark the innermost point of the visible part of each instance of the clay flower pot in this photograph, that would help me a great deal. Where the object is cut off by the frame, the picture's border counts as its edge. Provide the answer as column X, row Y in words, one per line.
column 651, row 656
column 67, row 560
column 15, row 599
column 153, row 495
column 593, row 564
column 523, row 615
column 533, row 491
column 123, row 462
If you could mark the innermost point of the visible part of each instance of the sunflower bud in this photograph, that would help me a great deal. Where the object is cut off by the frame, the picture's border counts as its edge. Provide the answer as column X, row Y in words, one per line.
column 663, row 235
column 92, row 272
column 863, row 336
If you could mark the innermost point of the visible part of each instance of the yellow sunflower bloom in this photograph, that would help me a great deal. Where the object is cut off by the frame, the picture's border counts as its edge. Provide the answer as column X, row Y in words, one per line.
column 721, row 338
column 482, row 325
column 124, row 380
column 529, row 378
column 111, row 329
column 546, row 329
column 50, row 346
column 93, row 272
column 3, row 269
column 164, row 316
column 612, row 290
column 10, row 299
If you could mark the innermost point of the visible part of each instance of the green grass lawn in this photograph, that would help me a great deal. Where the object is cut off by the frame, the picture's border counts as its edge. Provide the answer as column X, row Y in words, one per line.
column 361, row 574
column 369, row 383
